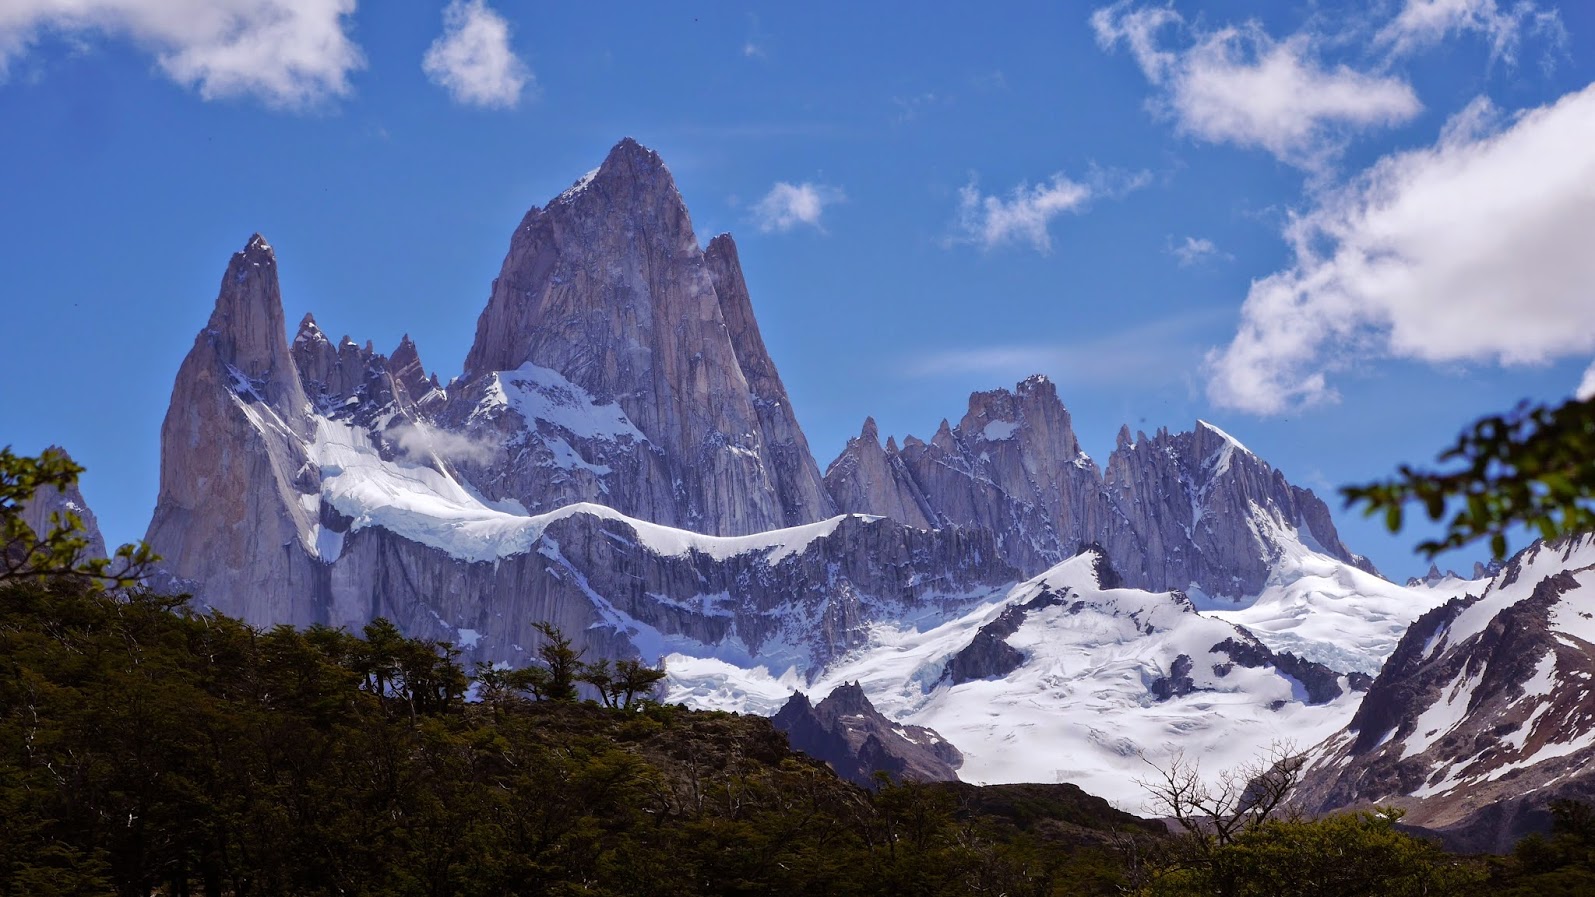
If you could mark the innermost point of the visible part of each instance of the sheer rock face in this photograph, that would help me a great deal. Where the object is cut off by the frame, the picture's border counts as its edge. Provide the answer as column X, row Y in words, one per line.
column 606, row 289
column 256, row 450
column 617, row 364
column 799, row 490
column 1482, row 716
column 236, row 507
column 1170, row 512
column 1012, row 466
column 48, row 501
column 1199, row 509
column 869, row 479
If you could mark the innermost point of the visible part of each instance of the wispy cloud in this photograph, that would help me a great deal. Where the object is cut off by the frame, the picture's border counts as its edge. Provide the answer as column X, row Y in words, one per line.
column 753, row 45
column 788, row 205
column 1023, row 216
column 1474, row 249
column 1194, row 250
column 1424, row 23
column 1160, row 352
column 472, row 58
column 1239, row 85
column 286, row 53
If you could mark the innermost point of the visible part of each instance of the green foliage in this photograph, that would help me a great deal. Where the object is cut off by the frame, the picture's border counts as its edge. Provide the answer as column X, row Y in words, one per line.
column 58, row 554
column 1344, row 855
column 1561, row 865
column 146, row 749
column 1534, row 467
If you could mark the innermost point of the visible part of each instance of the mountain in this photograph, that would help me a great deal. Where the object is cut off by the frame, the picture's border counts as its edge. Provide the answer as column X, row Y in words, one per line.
column 1067, row 676
column 620, row 458
column 606, row 297
column 48, row 501
column 1483, row 714
column 1194, row 511
column 853, row 738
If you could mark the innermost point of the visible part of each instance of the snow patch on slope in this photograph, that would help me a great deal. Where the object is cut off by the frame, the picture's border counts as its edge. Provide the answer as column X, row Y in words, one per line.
column 426, row 504
column 543, row 394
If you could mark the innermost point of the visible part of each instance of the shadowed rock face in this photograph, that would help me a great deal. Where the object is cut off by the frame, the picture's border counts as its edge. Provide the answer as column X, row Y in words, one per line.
column 606, row 287
column 1482, row 715
column 847, row 732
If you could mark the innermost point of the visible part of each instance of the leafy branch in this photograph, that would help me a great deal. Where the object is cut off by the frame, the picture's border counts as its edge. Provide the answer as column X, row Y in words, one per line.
column 1534, row 466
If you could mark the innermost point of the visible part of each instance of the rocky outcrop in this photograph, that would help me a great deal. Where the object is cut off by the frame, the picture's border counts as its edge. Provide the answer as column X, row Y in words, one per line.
column 1482, row 715
column 799, row 490
column 869, row 479
column 1199, row 509
column 988, row 655
column 1171, row 511
column 49, row 507
column 606, row 290
column 1012, row 465
column 853, row 738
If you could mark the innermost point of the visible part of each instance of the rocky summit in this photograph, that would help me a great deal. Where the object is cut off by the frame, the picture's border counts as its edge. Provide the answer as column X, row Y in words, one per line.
column 619, row 457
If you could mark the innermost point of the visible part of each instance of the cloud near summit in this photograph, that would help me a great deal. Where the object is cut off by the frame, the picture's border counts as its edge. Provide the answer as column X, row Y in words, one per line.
column 472, row 58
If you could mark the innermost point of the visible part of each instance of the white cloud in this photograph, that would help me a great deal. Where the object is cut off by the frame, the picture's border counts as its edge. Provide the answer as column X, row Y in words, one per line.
column 288, row 53
column 1424, row 23
column 472, row 58
column 990, row 221
column 1586, row 386
column 1193, row 250
column 1475, row 249
column 788, row 205
column 1238, row 85
column 420, row 442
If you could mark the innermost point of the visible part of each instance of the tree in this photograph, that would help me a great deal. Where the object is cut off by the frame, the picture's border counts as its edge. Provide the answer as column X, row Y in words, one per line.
column 59, row 553
column 1534, row 467
column 564, row 664
column 1215, row 812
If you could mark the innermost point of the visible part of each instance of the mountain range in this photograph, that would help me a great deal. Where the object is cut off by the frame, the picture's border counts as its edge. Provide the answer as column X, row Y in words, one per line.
column 619, row 457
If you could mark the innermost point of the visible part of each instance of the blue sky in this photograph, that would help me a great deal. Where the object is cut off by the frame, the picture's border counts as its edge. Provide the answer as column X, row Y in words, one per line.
column 1341, row 231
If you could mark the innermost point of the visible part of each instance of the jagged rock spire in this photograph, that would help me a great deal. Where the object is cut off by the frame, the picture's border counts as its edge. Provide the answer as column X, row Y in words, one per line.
column 606, row 287
column 231, row 515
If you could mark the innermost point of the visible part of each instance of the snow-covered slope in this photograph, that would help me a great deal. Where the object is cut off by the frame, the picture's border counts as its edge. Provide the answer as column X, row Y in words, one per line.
column 1325, row 610
column 1108, row 680
column 1485, row 711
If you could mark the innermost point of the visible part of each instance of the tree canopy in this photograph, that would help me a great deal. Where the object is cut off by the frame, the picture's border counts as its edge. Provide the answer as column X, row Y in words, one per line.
column 1532, row 467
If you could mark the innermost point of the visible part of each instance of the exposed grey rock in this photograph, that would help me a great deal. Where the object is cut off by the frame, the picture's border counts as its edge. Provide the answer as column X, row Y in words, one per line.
column 1187, row 506
column 848, row 733
column 867, row 479
column 800, row 491
column 235, row 513
column 1012, row 466
column 1170, row 512
column 595, row 579
column 48, row 501
column 988, row 655
column 606, row 286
